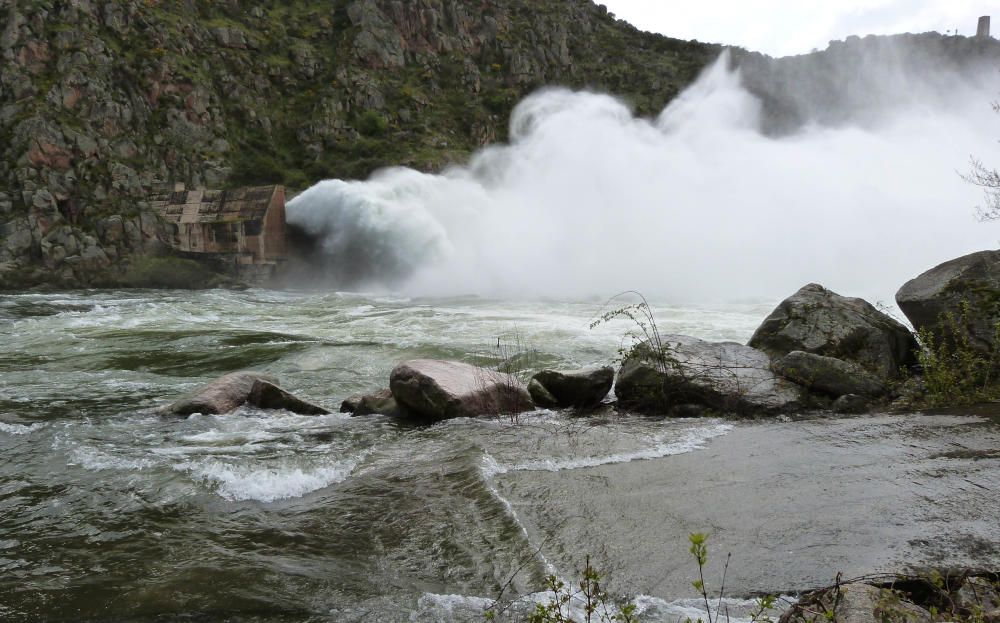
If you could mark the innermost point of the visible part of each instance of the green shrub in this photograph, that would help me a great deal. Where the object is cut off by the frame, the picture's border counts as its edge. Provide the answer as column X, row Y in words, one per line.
column 370, row 123
column 954, row 372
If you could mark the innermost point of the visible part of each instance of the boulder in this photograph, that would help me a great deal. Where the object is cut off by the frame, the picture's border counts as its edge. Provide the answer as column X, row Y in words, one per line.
column 438, row 390
column 222, row 395
column 828, row 375
column 377, row 403
column 15, row 238
column 850, row 404
column 856, row 603
column 974, row 279
column 231, row 391
column 541, row 396
column 267, row 395
column 724, row 376
column 571, row 388
column 816, row 320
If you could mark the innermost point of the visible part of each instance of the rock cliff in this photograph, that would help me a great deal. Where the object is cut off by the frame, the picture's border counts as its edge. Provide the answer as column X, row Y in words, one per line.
column 103, row 101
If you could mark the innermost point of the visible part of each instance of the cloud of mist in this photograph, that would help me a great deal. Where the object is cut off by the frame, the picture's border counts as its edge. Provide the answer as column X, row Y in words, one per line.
column 697, row 205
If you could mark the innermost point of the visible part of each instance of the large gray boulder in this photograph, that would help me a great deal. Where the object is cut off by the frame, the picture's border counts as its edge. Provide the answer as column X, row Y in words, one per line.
column 974, row 279
column 438, row 390
column 228, row 393
column 571, row 388
column 816, row 320
column 828, row 375
column 725, row 376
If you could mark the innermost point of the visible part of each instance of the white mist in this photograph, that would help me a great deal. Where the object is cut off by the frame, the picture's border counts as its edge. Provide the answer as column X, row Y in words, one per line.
column 697, row 205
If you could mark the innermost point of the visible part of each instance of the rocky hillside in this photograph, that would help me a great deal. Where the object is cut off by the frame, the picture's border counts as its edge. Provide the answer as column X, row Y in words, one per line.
column 102, row 101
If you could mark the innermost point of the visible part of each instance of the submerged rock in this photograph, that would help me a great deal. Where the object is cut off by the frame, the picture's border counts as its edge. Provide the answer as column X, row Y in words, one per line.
column 438, row 390
column 816, row 320
column 377, row 403
column 267, row 395
column 228, row 393
column 724, row 376
column 222, row 395
column 828, row 375
column 973, row 279
column 571, row 388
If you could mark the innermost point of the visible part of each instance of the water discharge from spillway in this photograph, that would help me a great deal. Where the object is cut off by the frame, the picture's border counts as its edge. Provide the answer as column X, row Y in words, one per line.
column 703, row 203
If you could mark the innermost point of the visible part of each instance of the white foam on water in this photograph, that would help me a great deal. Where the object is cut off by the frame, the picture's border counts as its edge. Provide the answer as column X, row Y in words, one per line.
column 98, row 460
column 437, row 607
column 662, row 446
column 19, row 429
column 264, row 483
column 213, row 450
column 730, row 609
column 229, row 438
column 442, row 607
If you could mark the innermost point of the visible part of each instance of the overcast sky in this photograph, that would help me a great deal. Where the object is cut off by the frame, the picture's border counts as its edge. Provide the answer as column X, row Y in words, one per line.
column 783, row 27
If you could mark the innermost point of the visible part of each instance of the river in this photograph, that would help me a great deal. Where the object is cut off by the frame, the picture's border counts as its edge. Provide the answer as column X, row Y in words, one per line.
column 111, row 512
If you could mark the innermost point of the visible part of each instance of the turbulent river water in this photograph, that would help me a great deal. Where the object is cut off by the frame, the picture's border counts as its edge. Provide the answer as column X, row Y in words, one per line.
column 109, row 511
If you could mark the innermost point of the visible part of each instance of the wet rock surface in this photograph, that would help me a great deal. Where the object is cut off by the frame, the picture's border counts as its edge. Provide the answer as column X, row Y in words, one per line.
column 376, row 403
column 968, row 288
column 819, row 321
column 438, row 390
column 229, row 392
column 222, row 395
column 571, row 388
column 267, row 395
column 726, row 376
column 828, row 375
